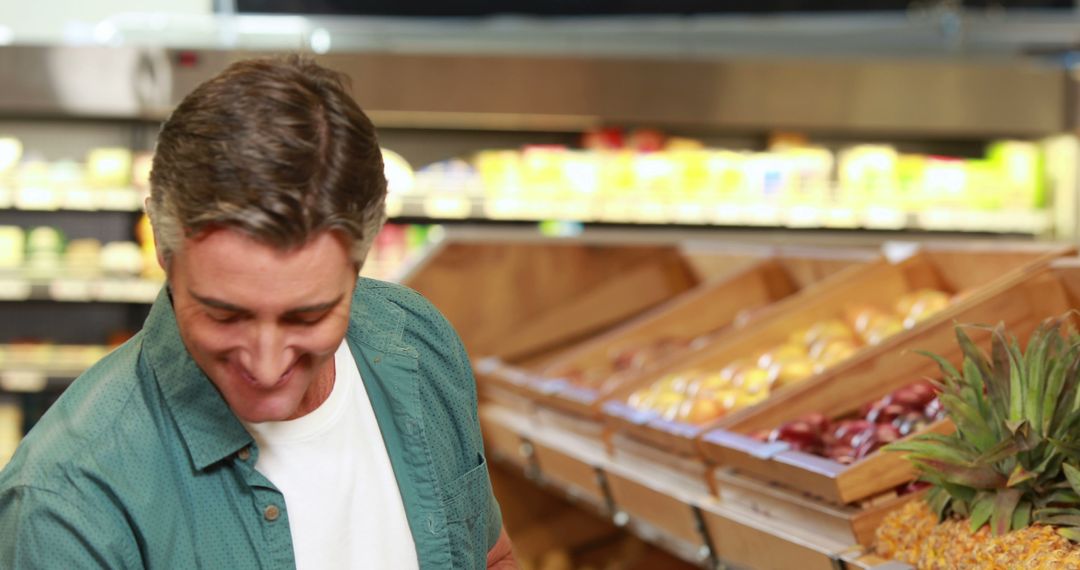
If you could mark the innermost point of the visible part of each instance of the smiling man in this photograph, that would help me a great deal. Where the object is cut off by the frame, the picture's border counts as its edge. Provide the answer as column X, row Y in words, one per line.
column 275, row 411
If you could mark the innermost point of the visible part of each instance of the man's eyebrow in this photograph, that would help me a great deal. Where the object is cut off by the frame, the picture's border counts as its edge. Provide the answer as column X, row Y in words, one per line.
column 317, row 307
column 219, row 304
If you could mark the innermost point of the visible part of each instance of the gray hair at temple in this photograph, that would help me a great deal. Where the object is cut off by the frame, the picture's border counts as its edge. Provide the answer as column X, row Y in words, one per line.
column 275, row 148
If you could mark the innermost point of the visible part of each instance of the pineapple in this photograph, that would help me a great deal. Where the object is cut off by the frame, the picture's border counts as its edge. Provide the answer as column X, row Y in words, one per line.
column 1006, row 486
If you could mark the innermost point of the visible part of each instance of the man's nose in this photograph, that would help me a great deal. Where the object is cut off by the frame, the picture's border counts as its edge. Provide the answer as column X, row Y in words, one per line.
column 267, row 358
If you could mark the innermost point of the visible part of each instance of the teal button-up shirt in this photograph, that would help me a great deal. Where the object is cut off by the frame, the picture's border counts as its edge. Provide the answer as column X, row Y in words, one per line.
column 141, row 464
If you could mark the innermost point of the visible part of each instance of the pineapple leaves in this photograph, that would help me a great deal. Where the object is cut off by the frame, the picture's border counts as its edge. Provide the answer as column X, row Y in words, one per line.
column 981, row 510
column 938, row 500
column 1020, row 476
column 934, row 447
column 1070, row 533
column 1072, row 474
column 1005, row 503
column 1022, row 515
column 973, row 477
column 1014, row 459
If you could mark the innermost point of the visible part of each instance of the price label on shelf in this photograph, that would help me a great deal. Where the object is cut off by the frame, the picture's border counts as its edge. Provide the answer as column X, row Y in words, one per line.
column 649, row 213
column 506, row 208
column 450, row 207
column 762, row 215
column 121, row 199
column 881, row 218
column 79, row 198
column 687, row 213
column 728, row 214
column 804, row 217
column 12, row 289
column 37, row 198
column 840, row 217
column 23, row 380
column 127, row 290
column 76, row 290
column 616, row 211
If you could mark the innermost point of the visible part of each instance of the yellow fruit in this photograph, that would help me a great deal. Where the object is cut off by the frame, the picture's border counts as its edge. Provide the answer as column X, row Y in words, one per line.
column 727, row 399
column 792, row 372
column 746, row 399
column 832, row 329
column 701, row 410
column 881, row 328
column 713, row 382
column 729, row 372
column 751, row 377
column 781, row 354
column 862, row 318
column 924, row 304
column 754, row 383
column 833, row 353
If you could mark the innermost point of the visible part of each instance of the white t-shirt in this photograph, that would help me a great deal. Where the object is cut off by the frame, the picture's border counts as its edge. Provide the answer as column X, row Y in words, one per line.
column 342, row 499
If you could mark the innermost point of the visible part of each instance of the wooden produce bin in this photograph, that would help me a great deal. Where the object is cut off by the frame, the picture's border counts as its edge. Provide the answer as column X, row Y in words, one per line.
column 1021, row 302
column 518, row 302
column 954, row 268
column 686, row 323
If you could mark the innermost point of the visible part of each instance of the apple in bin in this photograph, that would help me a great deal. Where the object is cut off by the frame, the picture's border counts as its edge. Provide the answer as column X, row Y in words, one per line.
column 882, row 421
column 800, row 435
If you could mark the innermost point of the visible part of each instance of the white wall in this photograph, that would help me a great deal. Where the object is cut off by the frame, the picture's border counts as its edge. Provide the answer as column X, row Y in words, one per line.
column 51, row 21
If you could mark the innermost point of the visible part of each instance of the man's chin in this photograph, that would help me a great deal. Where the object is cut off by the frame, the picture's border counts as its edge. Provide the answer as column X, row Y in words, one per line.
column 266, row 412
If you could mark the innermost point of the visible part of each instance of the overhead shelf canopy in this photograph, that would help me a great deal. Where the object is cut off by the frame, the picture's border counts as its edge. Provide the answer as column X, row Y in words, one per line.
column 964, row 97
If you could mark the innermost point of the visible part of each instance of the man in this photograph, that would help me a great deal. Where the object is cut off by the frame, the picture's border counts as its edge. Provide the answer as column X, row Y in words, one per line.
column 275, row 411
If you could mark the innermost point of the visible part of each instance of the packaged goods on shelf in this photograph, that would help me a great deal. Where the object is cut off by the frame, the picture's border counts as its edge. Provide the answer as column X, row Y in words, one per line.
column 11, row 426
column 109, row 179
column 12, row 247
column 791, row 185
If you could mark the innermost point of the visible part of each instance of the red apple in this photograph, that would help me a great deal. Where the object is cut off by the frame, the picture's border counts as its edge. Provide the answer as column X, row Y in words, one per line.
column 846, row 430
column 886, row 414
column 934, row 411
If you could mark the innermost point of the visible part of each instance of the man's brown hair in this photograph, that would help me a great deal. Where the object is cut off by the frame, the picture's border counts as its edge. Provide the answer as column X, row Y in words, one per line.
column 276, row 148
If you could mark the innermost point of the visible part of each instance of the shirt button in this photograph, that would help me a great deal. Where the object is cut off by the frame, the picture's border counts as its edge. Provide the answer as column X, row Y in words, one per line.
column 271, row 513
column 244, row 454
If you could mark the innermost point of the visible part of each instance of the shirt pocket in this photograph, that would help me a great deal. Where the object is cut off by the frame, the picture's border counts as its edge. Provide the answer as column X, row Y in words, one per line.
column 466, row 501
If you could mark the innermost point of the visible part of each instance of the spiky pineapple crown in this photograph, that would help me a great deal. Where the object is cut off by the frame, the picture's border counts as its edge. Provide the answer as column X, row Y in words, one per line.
column 1013, row 458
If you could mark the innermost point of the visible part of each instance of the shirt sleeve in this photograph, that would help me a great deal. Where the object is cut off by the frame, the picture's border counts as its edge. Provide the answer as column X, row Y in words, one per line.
column 41, row 529
column 493, row 514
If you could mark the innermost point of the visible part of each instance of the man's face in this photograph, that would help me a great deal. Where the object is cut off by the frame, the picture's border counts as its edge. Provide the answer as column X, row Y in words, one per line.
column 262, row 323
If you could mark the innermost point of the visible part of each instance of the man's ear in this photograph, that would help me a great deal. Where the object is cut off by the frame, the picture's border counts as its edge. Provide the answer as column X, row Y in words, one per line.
column 153, row 236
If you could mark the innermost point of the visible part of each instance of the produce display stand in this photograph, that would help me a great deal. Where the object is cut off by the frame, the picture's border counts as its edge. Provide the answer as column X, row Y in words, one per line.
column 959, row 269
column 727, row 302
column 1021, row 303
column 519, row 302
column 710, row 494
column 642, row 496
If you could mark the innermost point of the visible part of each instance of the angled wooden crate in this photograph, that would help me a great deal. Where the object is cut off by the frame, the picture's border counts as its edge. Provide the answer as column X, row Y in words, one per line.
column 519, row 302
column 962, row 268
column 711, row 309
column 850, row 500
column 737, row 281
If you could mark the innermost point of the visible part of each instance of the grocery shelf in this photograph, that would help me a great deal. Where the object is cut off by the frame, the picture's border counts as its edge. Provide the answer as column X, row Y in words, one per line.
column 74, row 200
column 451, row 207
column 79, row 290
column 36, row 367
column 704, row 531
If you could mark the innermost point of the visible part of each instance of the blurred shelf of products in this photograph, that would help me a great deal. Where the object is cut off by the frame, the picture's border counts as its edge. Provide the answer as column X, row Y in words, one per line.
column 653, row 179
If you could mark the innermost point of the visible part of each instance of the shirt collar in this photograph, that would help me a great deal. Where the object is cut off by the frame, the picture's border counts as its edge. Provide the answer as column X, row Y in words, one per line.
column 210, row 430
